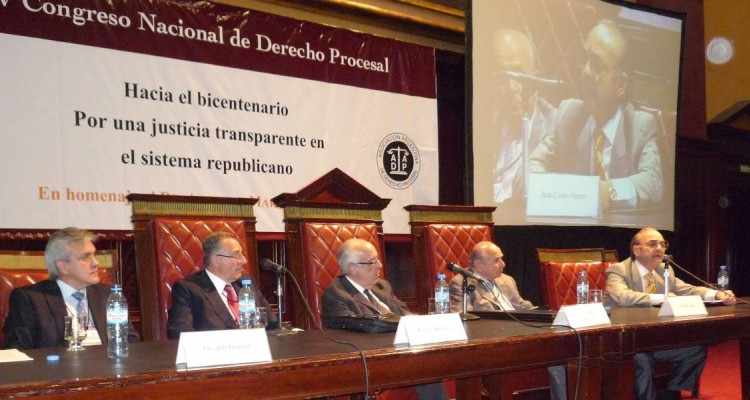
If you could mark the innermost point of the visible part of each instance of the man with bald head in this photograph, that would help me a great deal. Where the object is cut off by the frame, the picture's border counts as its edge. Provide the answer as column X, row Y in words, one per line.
column 495, row 292
column 359, row 291
column 639, row 281
column 602, row 134
column 523, row 117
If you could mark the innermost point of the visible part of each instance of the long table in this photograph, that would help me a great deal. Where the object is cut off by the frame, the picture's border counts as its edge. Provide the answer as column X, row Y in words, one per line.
column 309, row 365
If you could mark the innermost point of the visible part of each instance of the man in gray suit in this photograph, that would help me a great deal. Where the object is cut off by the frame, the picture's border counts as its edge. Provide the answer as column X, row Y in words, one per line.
column 639, row 281
column 360, row 292
column 603, row 134
column 497, row 291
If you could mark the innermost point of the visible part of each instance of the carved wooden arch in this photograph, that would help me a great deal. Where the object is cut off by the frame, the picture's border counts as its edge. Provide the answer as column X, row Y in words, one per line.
column 317, row 219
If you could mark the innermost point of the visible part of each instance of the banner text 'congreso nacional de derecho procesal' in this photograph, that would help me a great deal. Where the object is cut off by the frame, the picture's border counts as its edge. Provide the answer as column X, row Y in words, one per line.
column 106, row 98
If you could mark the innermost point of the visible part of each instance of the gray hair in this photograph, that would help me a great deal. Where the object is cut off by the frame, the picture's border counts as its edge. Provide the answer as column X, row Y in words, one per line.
column 211, row 245
column 350, row 252
column 58, row 247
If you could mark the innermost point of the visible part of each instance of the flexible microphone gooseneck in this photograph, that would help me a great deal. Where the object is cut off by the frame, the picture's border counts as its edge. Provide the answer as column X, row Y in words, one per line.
column 668, row 260
column 269, row 265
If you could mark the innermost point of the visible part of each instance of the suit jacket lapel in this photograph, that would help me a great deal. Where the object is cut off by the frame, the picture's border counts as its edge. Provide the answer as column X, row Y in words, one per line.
column 357, row 295
column 486, row 294
column 53, row 298
column 213, row 298
column 97, row 297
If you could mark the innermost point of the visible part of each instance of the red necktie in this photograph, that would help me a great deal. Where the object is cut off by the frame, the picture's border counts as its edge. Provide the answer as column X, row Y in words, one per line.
column 232, row 301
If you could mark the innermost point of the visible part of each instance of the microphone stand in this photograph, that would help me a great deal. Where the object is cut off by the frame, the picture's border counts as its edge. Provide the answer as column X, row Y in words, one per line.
column 466, row 316
column 666, row 281
column 282, row 331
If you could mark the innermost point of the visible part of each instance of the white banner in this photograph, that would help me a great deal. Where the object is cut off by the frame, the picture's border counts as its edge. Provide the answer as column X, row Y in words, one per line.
column 83, row 126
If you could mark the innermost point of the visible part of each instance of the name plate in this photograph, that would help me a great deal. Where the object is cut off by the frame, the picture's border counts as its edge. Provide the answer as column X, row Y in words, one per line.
column 562, row 195
column 225, row 347
column 582, row 316
column 682, row 306
column 416, row 330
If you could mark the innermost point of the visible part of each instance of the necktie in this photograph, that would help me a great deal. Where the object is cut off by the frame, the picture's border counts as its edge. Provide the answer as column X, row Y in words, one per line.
column 374, row 300
column 650, row 287
column 600, row 141
column 500, row 297
column 81, row 309
column 232, row 301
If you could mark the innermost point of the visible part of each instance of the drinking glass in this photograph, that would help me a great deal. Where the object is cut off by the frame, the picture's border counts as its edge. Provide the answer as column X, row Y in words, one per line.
column 75, row 332
column 260, row 318
column 596, row 296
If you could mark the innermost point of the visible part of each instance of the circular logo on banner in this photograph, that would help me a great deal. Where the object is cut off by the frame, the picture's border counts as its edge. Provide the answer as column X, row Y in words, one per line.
column 398, row 161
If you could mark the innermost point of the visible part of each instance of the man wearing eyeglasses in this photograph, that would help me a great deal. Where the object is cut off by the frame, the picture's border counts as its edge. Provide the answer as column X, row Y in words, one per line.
column 36, row 312
column 359, row 291
column 639, row 281
column 203, row 300
column 602, row 133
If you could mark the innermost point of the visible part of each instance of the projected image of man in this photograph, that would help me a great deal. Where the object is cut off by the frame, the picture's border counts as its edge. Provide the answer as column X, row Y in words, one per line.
column 602, row 133
column 523, row 116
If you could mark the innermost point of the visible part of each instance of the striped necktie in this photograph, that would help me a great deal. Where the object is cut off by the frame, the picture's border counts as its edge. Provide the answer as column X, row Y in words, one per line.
column 600, row 141
column 375, row 302
column 82, row 312
column 650, row 287
column 232, row 301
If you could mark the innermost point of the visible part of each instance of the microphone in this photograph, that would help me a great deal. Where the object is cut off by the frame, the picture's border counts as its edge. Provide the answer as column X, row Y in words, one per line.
column 525, row 78
column 669, row 261
column 268, row 265
column 465, row 272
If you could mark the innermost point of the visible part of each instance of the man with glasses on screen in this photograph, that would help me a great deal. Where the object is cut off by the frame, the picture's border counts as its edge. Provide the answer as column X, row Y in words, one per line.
column 207, row 299
column 522, row 116
column 359, row 291
column 602, row 133
column 639, row 281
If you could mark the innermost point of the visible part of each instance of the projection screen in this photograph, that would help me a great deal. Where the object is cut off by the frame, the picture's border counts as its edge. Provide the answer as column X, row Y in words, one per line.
column 573, row 111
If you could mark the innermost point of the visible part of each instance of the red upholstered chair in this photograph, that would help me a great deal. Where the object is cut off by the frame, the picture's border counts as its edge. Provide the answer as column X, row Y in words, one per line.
column 21, row 268
column 320, row 244
column 169, row 232
column 318, row 218
column 443, row 234
column 559, row 273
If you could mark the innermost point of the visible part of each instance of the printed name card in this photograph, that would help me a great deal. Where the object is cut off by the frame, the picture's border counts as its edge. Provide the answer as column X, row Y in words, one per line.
column 416, row 330
column 682, row 306
column 582, row 316
column 226, row 347
column 562, row 195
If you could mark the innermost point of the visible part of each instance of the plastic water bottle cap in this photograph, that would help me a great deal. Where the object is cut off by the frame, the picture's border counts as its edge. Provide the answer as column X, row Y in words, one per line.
column 246, row 282
column 441, row 277
column 53, row 357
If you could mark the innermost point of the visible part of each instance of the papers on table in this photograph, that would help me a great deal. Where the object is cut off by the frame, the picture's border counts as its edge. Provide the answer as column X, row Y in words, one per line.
column 13, row 355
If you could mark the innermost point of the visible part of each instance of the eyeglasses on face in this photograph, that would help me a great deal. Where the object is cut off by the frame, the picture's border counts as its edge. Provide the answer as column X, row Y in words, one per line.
column 652, row 244
column 371, row 262
column 236, row 256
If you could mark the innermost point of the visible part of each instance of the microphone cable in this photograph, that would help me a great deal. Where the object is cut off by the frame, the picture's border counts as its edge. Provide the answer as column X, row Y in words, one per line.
column 669, row 261
column 544, row 326
column 325, row 335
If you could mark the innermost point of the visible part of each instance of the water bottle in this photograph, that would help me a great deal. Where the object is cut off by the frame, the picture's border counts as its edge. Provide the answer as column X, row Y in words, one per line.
column 582, row 288
column 117, row 324
column 246, row 300
column 723, row 278
column 442, row 296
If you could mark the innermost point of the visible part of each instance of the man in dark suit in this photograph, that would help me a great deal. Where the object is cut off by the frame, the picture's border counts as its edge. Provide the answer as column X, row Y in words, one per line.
column 359, row 292
column 201, row 302
column 639, row 281
column 35, row 318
